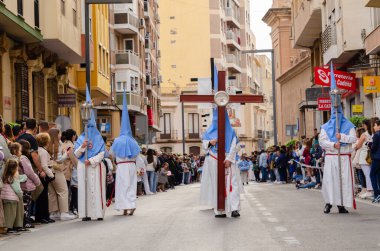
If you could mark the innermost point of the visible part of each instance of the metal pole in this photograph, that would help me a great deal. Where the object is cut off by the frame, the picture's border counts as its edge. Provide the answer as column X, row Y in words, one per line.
column 88, row 81
column 339, row 159
column 85, row 168
column 274, row 99
column 271, row 51
column 183, row 130
column 87, row 44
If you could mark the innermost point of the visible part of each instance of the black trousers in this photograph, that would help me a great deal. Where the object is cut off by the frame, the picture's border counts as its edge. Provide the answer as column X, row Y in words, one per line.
column 257, row 175
column 42, row 203
column 74, row 199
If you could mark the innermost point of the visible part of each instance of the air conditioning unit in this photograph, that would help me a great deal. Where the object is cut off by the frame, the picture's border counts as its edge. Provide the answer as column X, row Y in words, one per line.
column 146, row 101
column 158, row 53
column 142, row 23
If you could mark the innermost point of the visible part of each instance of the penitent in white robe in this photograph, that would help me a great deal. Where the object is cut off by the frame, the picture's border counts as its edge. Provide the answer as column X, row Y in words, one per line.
column 331, row 181
column 126, row 183
column 96, row 188
column 209, row 182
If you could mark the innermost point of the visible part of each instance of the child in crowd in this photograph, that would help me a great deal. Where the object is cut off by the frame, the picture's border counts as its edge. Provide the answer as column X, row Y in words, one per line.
column 163, row 177
column 21, row 151
column 11, row 195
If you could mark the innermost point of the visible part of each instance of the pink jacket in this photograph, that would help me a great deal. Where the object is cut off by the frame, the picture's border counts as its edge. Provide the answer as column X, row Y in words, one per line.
column 25, row 167
column 7, row 193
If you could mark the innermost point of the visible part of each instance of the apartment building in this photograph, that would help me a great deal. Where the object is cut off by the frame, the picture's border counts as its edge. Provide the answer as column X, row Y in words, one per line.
column 40, row 43
column 294, row 114
column 134, row 36
column 222, row 32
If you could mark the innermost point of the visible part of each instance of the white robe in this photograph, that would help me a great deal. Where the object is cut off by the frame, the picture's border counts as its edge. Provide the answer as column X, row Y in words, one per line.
column 126, row 183
column 331, row 180
column 95, row 198
column 209, row 183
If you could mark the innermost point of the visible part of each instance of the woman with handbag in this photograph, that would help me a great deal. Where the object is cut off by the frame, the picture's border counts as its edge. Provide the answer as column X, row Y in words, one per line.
column 58, row 190
column 22, row 151
column 362, row 146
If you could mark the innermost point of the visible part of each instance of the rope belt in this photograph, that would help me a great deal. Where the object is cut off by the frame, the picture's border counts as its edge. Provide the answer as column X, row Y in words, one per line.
column 126, row 162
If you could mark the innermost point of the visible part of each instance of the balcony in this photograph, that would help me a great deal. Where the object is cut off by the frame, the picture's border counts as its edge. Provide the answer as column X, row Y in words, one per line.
column 191, row 135
column 372, row 3
column 232, row 17
column 233, row 40
column 372, row 42
column 133, row 101
column 233, row 63
column 172, row 135
column 329, row 44
column 126, row 23
column 127, row 60
column 146, row 8
column 307, row 23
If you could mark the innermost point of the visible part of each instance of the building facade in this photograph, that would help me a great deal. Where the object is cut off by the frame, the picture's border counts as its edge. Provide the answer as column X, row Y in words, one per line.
column 41, row 43
column 185, row 56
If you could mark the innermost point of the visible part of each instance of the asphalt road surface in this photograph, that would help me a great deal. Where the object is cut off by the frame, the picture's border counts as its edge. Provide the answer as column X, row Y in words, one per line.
column 273, row 217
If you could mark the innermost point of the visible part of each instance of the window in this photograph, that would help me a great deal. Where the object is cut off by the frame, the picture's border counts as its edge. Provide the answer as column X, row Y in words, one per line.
column 121, row 86
column 75, row 17
column 166, row 149
column 63, row 10
column 100, row 63
column 22, row 93
column 20, row 7
column 128, row 44
column 104, row 125
column 165, row 124
column 193, row 125
column 39, row 96
column 36, row 14
column 52, row 87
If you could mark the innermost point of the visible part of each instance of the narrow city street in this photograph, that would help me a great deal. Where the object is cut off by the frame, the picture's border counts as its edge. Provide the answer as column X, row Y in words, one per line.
column 273, row 217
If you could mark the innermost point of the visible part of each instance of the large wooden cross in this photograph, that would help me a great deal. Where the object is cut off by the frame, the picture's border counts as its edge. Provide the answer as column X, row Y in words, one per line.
column 221, row 125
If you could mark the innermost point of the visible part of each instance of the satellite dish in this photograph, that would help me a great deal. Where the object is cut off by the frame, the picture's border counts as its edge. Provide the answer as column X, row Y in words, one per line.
column 63, row 123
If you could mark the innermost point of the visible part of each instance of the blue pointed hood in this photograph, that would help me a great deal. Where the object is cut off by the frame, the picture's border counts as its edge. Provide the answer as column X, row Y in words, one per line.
column 212, row 132
column 125, row 146
column 330, row 126
column 94, row 135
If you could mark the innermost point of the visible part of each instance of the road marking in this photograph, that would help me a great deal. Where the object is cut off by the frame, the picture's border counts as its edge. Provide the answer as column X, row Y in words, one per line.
column 267, row 214
column 280, row 229
column 271, row 219
column 291, row 241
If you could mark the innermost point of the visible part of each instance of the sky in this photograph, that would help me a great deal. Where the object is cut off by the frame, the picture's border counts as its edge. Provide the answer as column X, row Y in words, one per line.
column 260, row 29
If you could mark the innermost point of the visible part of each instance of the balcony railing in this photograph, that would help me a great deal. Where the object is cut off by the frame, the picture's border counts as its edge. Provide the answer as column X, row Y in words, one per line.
column 133, row 100
column 171, row 135
column 126, row 18
column 230, row 12
column 329, row 37
column 232, row 36
column 232, row 59
column 127, row 57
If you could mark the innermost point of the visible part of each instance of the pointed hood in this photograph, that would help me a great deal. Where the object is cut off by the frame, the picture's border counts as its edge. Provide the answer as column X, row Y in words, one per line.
column 94, row 136
column 125, row 146
column 330, row 126
column 212, row 132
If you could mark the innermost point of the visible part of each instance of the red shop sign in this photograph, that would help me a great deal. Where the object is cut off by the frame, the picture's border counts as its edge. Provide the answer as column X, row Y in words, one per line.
column 324, row 104
column 344, row 80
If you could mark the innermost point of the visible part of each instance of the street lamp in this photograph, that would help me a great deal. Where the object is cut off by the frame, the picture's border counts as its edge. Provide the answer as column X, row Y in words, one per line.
column 85, row 113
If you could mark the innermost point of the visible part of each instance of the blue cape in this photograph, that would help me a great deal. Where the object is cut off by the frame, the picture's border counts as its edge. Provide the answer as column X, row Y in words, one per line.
column 94, row 136
column 212, row 131
column 125, row 146
column 330, row 126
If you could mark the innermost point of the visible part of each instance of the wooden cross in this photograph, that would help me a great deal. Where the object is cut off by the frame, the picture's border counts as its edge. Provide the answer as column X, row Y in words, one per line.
column 221, row 125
